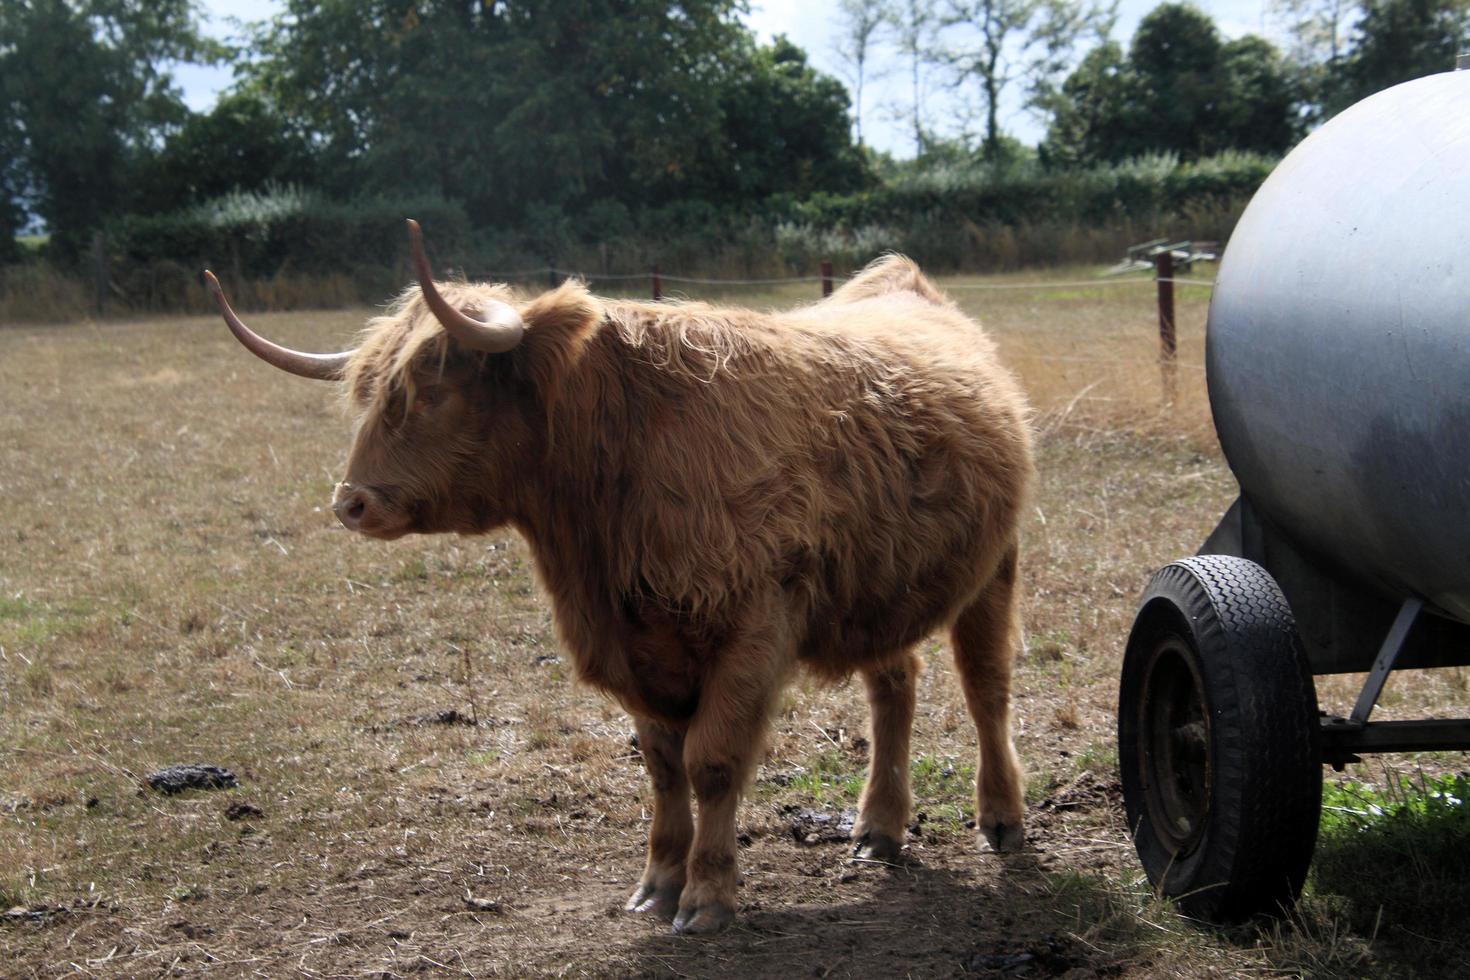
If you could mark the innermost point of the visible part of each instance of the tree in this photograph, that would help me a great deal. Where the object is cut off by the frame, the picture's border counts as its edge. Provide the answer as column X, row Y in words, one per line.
column 242, row 143
column 1090, row 112
column 14, row 192
column 1399, row 40
column 1180, row 90
column 1257, row 110
column 785, row 131
column 862, row 23
column 1175, row 68
column 995, row 43
column 86, row 98
column 913, row 24
column 1317, row 30
column 555, row 104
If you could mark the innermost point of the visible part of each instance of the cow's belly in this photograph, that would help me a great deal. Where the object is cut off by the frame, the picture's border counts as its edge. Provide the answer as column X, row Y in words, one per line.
column 881, row 618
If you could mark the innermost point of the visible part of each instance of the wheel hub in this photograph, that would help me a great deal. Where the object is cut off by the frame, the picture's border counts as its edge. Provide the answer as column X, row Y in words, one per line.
column 1174, row 748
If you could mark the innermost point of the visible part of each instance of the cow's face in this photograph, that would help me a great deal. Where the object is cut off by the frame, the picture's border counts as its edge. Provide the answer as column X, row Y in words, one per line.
column 441, row 402
column 435, row 446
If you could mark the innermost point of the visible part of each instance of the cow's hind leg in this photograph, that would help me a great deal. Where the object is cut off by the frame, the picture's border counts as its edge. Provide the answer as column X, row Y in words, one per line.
column 883, row 813
column 984, row 639
column 673, row 826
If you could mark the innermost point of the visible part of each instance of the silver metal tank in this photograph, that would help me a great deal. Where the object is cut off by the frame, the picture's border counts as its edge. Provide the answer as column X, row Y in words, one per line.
column 1338, row 350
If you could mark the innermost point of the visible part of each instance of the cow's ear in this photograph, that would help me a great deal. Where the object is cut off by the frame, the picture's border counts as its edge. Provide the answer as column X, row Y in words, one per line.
column 559, row 324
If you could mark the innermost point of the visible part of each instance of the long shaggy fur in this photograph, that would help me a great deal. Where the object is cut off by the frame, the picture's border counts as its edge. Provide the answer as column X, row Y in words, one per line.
column 716, row 497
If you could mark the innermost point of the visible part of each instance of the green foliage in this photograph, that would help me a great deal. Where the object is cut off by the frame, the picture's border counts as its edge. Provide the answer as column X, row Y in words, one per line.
column 264, row 233
column 1258, row 104
column 1397, row 41
column 83, row 98
column 1181, row 90
column 951, row 215
column 1399, row 858
column 587, row 134
column 992, row 43
column 785, row 131
column 241, row 144
column 1139, row 187
column 553, row 105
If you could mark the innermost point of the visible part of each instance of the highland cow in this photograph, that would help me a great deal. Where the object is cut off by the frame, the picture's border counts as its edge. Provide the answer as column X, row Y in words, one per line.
column 715, row 500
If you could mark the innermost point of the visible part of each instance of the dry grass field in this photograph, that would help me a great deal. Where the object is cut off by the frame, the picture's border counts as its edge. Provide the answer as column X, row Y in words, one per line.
column 423, row 790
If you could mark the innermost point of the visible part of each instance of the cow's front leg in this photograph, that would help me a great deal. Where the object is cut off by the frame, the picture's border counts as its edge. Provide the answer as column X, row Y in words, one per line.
column 673, row 827
column 722, row 746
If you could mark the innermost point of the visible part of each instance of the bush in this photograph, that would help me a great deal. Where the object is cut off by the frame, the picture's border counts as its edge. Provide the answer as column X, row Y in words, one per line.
column 284, row 230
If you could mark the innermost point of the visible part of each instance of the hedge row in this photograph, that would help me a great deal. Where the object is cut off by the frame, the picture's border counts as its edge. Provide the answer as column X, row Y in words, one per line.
column 285, row 230
column 1135, row 189
column 946, row 217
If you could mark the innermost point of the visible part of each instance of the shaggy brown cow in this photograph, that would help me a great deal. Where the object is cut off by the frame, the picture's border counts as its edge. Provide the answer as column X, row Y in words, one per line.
column 716, row 499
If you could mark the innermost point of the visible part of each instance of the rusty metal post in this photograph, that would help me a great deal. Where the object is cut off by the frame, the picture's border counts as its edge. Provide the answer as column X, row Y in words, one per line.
column 1168, row 344
column 658, row 286
column 826, row 279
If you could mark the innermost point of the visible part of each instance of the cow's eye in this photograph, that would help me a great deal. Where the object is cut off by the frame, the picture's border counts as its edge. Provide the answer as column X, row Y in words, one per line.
column 425, row 399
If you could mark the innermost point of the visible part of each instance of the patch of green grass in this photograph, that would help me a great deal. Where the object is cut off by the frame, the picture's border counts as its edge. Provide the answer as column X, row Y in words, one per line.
column 15, row 894
column 16, row 607
column 1050, row 646
column 414, row 570
column 829, row 778
column 1399, row 858
column 942, row 779
column 943, row 789
column 1099, row 758
column 29, row 623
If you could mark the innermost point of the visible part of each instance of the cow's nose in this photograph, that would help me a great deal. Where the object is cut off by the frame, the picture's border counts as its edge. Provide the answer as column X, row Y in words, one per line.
column 350, row 506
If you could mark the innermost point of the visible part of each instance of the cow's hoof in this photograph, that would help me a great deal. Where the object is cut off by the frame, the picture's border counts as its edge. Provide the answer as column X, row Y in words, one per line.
column 703, row 920
column 1002, row 837
column 651, row 900
column 877, row 847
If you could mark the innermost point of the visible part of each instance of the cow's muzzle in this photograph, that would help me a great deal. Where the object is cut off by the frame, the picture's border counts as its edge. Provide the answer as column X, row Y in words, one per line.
column 366, row 511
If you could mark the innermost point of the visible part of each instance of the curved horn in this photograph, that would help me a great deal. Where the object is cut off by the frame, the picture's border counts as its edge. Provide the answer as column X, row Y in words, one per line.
column 322, row 367
column 498, row 332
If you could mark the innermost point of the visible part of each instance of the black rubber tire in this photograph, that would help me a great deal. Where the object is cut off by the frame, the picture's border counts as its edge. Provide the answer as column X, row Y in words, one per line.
column 1219, row 741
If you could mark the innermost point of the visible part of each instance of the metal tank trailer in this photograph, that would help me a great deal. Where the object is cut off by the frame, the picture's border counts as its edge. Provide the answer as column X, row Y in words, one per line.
column 1338, row 366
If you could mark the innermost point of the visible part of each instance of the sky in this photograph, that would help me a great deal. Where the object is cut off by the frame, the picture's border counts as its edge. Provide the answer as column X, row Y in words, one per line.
column 811, row 24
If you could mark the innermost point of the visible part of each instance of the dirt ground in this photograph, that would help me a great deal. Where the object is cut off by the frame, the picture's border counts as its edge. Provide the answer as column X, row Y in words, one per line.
column 422, row 790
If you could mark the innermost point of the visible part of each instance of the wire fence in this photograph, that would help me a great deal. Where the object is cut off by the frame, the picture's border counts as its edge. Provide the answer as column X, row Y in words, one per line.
column 554, row 274
column 1163, row 280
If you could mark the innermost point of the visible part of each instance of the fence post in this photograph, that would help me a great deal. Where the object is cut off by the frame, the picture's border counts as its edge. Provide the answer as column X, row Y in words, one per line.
column 99, row 273
column 658, row 286
column 826, row 279
column 1168, row 344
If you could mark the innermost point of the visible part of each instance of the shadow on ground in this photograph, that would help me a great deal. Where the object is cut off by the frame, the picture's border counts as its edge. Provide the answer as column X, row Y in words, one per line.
column 1010, row 917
